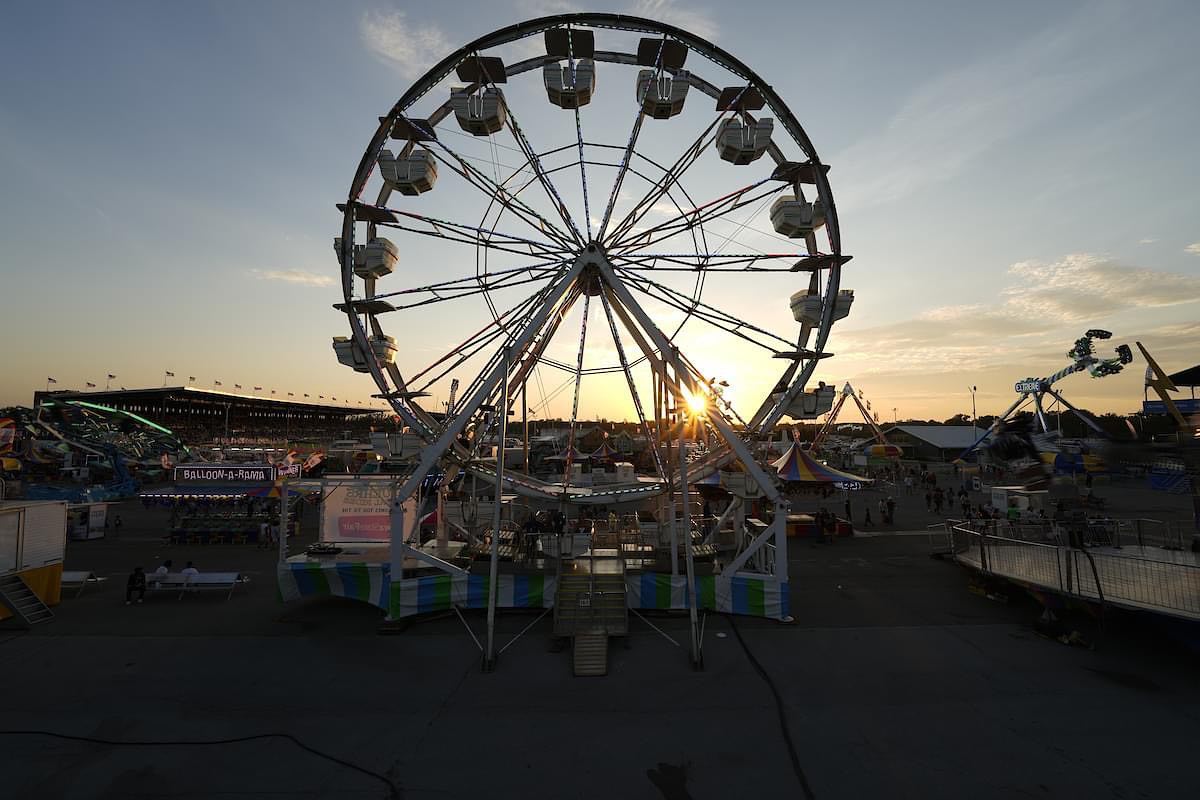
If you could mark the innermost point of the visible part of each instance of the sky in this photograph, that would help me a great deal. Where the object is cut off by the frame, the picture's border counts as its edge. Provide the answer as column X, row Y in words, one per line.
column 1007, row 176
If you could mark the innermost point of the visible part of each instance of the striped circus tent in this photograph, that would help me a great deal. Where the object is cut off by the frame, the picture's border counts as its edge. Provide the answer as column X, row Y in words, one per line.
column 605, row 452
column 799, row 467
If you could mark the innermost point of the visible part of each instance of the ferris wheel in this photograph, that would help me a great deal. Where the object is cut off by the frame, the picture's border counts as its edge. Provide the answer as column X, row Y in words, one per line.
column 591, row 214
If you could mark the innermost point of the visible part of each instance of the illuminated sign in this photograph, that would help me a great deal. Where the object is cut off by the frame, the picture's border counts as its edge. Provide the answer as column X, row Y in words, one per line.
column 225, row 473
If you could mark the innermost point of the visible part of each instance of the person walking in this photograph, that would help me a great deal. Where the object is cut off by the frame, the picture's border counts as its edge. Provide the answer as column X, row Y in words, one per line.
column 883, row 515
column 928, row 500
column 116, row 526
column 135, row 585
column 891, row 510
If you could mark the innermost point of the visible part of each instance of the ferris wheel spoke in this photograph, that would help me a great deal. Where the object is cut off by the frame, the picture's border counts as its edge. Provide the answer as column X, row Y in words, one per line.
column 442, row 230
column 629, row 148
column 633, row 392
column 532, row 355
column 587, row 211
column 473, row 280
column 701, row 215
column 498, row 192
column 463, row 352
column 587, row 298
column 484, row 288
column 710, row 314
column 621, row 172
column 689, row 157
column 514, row 127
column 709, row 262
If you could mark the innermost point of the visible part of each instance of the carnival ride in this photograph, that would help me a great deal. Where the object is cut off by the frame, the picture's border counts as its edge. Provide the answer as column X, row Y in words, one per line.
column 1015, row 439
column 657, row 262
column 61, row 442
column 882, row 447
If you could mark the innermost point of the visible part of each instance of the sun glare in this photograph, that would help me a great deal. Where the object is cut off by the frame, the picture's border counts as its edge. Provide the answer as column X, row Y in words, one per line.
column 697, row 404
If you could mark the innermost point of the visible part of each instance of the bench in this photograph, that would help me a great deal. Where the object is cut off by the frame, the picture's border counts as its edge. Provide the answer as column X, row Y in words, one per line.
column 78, row 580
column 205, row 581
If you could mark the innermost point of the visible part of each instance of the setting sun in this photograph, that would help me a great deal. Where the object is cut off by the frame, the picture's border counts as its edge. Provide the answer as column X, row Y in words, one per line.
column 697, row 404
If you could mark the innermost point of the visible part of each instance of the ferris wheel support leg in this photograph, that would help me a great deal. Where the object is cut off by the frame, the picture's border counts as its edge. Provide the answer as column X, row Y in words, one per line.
column 624, row 302
column 489, row 658
column 432, row 452
column 687, row 551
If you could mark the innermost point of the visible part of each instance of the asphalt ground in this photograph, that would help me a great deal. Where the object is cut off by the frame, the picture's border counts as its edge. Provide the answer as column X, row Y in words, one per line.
column 897, row 679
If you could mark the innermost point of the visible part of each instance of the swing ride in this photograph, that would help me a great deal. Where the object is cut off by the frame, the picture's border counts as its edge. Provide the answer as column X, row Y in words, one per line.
column 881, row 448
column 543, row 217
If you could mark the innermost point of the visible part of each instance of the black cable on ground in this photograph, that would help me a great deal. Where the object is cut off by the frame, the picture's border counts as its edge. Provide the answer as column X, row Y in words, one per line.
column 393, row 790
column 779, row 708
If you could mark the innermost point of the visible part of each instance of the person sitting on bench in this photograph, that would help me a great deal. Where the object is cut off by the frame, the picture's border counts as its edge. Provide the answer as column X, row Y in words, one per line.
column 135, row 584
column 160, row 574
column 189, row 572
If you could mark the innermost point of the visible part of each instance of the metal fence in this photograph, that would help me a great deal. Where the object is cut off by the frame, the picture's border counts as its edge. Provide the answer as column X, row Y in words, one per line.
column 1140, row 577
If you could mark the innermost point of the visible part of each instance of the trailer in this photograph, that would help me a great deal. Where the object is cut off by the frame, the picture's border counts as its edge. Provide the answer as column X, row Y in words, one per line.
column 33, row 542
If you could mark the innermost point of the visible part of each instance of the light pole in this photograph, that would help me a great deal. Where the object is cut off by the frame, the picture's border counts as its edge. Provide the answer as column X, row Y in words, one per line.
column 973, row 416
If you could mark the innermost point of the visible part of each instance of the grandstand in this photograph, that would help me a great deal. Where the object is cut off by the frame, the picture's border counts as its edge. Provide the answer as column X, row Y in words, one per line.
column 204, row 417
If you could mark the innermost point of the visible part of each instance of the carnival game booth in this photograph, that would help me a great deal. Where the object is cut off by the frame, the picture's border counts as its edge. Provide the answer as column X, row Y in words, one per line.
column 33, row 542
column 216, row 514
column 803, row 474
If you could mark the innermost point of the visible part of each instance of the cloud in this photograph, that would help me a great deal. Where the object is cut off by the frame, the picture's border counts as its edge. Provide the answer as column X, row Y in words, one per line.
column 1030, row 320
column 1085, row 285
column 959, row 115
column 1193, row 248
column 299, row 276
column 411, row 48
column 1147, row 241
column 691, row 19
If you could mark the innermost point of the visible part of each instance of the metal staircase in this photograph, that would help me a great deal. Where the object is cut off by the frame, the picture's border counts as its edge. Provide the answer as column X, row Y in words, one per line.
column 590, row 606
column 26, row 606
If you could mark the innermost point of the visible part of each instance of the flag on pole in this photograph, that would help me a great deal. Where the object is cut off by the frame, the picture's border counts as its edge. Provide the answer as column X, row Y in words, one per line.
column 90, row 385
column 110, row 377
column 258, row 388
column 169, row 374
column 191, row 378
column 291, row 395
column 306, row 395
column 237, row 386
column 51, row 380
column 216, row 383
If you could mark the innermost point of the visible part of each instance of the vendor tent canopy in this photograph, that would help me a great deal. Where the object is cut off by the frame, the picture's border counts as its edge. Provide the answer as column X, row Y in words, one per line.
column 571, row 453
column 605, row 451
column 799, row 467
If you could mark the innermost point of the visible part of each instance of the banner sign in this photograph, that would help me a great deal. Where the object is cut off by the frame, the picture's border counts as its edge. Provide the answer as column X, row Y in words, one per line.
column 1029, row 385
column 225, row 473
column 289, row 471
column 359, row 510
column 1185, row 405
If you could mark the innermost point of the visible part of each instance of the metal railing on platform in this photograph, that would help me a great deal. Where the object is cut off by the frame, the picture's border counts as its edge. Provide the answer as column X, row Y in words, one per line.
column 1043, row 556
